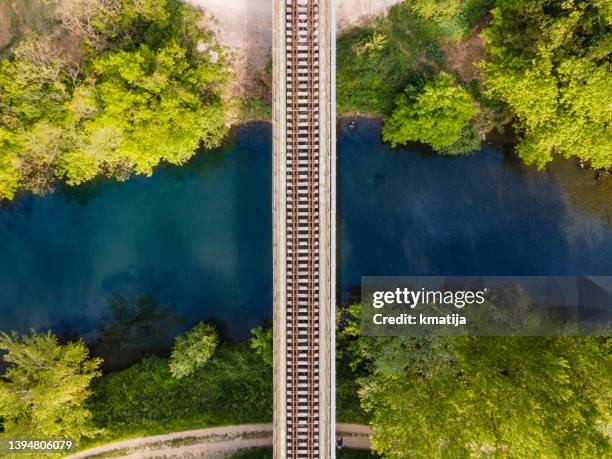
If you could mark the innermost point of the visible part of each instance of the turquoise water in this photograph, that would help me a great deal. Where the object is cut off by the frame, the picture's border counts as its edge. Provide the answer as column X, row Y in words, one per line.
column 196, row 239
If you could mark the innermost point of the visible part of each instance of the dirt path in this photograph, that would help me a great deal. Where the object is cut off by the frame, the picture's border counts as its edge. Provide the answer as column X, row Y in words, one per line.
column 213, row 442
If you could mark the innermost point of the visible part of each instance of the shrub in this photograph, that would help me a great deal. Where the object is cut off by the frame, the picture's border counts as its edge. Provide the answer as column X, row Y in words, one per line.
column 193, row 349
column 436, row 114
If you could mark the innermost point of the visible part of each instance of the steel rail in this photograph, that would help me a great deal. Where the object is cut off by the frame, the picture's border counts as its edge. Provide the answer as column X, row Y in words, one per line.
column 294, row 236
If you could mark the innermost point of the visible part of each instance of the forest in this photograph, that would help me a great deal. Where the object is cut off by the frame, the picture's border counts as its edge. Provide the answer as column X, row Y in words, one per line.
column 448, row 72
column 423, row 397
column 144, row 85
column 62, row 388
column 480, row 396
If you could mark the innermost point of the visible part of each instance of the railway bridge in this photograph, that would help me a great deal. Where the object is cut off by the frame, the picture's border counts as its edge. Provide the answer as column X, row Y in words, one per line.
column 304, row 228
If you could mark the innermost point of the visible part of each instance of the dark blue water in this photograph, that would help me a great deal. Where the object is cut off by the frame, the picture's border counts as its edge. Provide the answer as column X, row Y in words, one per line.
column 406, row 212
column 197, row 238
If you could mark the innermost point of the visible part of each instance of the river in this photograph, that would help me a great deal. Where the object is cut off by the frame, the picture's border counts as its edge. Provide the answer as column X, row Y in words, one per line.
column 196, row 240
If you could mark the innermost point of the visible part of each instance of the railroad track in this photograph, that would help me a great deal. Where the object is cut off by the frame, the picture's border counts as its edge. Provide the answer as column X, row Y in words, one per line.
column 303, row 229
column 302, row 58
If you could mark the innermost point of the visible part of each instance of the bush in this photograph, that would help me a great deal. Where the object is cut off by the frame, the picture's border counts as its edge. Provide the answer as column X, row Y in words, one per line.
column 193, row 349
column 262, row 343
column 437, row 114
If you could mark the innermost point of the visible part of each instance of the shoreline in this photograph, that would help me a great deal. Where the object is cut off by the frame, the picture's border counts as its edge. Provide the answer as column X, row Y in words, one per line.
column 492, row 137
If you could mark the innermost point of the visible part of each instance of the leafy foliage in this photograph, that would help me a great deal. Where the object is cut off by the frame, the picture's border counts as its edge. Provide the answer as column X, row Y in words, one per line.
column 406, row 48
column 551, row 66
column 438, row 115
column 193, row 349
column 474, row 396
column 454, row 17
column 33, row 91
column 44, row 388
column 262, row 342
column 144, row 94
column 234, row 387
column 469, row 142
column 370, row 81
column 373, row 44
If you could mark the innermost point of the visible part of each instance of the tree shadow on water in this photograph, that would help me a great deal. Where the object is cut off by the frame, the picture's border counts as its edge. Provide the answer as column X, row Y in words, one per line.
column 137, row 327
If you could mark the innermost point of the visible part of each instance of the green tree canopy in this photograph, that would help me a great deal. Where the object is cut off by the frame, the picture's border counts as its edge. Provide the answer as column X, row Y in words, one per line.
column 262, row 342
column 142, row 95
column 437, row 114
column 44, row 389
column 193, row 349
column 485, row 396
column 140, row 108
column 550, row 64
column 33, row 90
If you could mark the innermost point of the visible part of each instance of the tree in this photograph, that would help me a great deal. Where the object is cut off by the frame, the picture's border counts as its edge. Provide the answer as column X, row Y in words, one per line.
column 469, row 141
column 453, row 18
column 550, row 65
column 193, row 349
column 33, row 89
column 430, row 9
column 483, row 396
column 44, row 387
column 438, row 115
column 149, row 106
column 142, row 95
column 262, row 342
column 103, row 24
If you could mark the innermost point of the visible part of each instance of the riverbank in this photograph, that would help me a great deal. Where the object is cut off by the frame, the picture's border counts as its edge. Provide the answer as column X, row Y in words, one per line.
column 234, row 387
